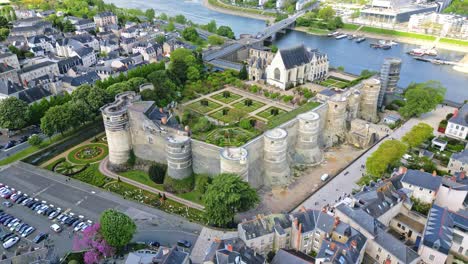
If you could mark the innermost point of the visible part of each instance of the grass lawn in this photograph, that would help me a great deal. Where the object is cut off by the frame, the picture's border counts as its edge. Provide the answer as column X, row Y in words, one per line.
column 19, row 155
column 80, row 156
column 223, row 118
column 141, row 177
column 92, row 176
column 241, row 105
column 198, row 107
column 333, row 82
column 267, row 114
column 286, row 116
column 236, row 136
column 193, row 196
column 231, row 98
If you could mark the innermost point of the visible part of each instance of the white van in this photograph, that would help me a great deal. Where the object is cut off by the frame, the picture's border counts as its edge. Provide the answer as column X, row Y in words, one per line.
column 324, row 177
column 11, row 242
column 56, row 228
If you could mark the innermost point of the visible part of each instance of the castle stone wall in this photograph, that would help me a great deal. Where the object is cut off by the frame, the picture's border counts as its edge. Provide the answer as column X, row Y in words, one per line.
column 205, row 158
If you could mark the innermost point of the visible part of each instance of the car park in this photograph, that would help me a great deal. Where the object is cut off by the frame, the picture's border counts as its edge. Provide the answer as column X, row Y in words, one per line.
column 5, row 236
column 11, row 242
column 28, row 231
column 14, row 225
column 12, row 222
column 7, row 204
column 18, row 227
column 54, row 214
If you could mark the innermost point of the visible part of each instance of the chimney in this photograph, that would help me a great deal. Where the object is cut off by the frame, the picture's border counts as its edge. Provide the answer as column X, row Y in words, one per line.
column 455, row 113
column 229, row 247
column 434, row 173
column 303, row 209
column 354, row 244
column 402, row 170
column 462, row 175
column 454, row 179
column 337, row 222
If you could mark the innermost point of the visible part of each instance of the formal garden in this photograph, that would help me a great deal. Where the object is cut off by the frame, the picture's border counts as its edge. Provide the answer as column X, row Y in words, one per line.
column 334, row 82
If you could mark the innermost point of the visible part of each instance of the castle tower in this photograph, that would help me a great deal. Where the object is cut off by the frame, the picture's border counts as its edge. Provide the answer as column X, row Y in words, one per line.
column 117, row 128
column 353, row 105
column 275, row 148
column 335, row 126
column 307, row 149
column 370, row 96
column 179, row 157
column 234, row 160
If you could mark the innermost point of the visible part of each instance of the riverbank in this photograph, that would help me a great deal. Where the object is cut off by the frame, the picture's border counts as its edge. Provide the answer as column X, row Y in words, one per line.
column 408, row 40
column 217, row 6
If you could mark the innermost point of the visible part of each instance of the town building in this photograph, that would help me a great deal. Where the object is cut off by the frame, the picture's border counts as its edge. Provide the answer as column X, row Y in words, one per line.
column 295, row 66
column 389, row 77
column 10, row 59
column 434, row 23
column 8, row 73
column 458, row 162
column 171, row 255
column 423, row 185
column 457, row 126
column 228, row 250
column 292, row 256
column 38, row 70
column 104, row 19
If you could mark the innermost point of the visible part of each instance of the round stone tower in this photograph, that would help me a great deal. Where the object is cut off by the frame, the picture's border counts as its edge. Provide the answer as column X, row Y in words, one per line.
column 353, row 104
column 116, row 123
column 335, row 126
column 370, row 97
column 234, row 160
column 275, row 149
column 179, row 157
column 307, row 149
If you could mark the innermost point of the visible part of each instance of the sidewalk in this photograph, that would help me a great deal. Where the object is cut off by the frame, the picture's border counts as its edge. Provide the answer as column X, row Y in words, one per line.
column 104, row 170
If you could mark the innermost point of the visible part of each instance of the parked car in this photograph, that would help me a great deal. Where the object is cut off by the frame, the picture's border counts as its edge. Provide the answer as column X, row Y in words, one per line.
column 184, row 243
column 23, row 139
column 28, row 231
column 10, row 144
column 40, row 237
column 56, row 228
column 154, row 244
column 54, row 214
column 11, row 242
column 5, row 236
column 7, row 204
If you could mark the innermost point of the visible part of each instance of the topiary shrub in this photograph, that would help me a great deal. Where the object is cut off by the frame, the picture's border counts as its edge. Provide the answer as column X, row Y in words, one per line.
column 157, row 172
column 179, row 186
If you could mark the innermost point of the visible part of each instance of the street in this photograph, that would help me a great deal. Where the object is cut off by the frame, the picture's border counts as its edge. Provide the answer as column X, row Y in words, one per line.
column 345, row 182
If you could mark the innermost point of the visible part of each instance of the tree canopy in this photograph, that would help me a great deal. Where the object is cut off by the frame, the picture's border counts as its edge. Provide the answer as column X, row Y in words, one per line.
column 116, row 228
column 388, row 153
column 422, row 98
column 418, row 134
column 14, row 113
column 225, row 31
column 227, row 195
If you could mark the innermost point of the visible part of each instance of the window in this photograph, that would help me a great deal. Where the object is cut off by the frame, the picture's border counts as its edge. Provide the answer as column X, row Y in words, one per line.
column 431, row 257
column 277, row 74
column 430, row 191
column 420, row 188
column 377, row 257
column 379, row 250
column 460, row 250
column 403, row 227
column 399, row 225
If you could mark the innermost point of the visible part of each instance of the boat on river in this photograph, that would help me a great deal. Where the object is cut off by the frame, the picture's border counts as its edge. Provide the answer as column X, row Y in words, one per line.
column 333, row 34
column 341, row 36
column 361, row 39
column 380, row 46
column 422, row 52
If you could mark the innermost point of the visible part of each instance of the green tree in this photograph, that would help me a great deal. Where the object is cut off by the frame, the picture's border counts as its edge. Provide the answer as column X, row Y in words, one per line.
column 227, row 195
column 160, row 39
column 3, row 22
column 35, row 140
column 4, row 32
column 180, row 19
column 225, row 31
column 215, row 40
column 211, row 26
column 116, row 228
column 190, row 34
column 388, row 154
column 157, row 172
column 418, row 134
column 149, row 13
column 243, row 74
column 170, row 27
column 58, row 119
column 422, row 98
column 14, row 113
column 94, row 97
column 68, row 26
column 327, row 13
column 274, row 48
column 193, row 74
column 163, row 16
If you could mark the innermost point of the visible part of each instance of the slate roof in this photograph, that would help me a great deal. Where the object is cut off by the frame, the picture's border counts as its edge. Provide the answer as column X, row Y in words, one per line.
column 422, row 179
column 33, row 94
column 395, row 246
column 462, row 117
column 37, row 66
column 312, row 219
column 292, row 257
column 170, row 256
column 87, row 78
column 6, row 54
column 439, row 229
column 297, row 56
column 105, row 14
column 5, row 68
column 378, row 198
column 328, row 92
column 266, row 225
column 84, row 21
column 461, row 156
column 343, row 253
column 37, row 39
column 218, row 252
column 8, row 87
column 359, row 216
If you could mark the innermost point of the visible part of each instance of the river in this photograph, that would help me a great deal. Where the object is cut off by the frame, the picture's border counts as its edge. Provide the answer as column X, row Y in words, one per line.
column 352, row 56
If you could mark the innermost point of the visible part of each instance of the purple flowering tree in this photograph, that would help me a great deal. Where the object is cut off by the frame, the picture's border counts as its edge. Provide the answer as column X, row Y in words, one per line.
column 92, row 241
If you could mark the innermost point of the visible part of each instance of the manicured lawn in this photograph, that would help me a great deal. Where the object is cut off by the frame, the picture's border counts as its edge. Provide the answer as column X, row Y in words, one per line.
column 223, row 118
column 286, row 116
column 141, row 177
column 242, row 106
column 267, row 113
column 88, row 153
column 92, row 176
column 333, row 82
column 231, row 98
column 199, row 107
column 193, row 196
column 232, row 136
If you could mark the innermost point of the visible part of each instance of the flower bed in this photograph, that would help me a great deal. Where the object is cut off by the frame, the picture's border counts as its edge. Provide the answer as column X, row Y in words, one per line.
column 88, row 153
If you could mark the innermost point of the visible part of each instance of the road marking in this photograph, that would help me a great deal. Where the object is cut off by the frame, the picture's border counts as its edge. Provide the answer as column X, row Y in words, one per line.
column 80, row 201
column 41, row 191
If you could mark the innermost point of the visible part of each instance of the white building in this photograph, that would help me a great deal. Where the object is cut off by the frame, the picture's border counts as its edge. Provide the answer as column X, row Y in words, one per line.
column 440, row 24
column 295, row 66
column 423, row 185
column 457, row 126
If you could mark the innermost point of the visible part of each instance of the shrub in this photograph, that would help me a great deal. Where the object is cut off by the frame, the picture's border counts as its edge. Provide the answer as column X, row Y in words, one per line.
column 157, row 172
column 131, row 159
column 179, row 186
column 201, row 183
column 245, row 124
column 35, row 140
column 202, row 125
column 226, row 94
column 449, row 116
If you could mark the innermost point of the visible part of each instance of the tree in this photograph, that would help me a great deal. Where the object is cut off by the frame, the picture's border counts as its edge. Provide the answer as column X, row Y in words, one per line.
column 274, row 48
column 149, row 13
column 4, row 32
column 225, row 31
column 160, row 39
column 180, row 19
column 190, row 34
column 422, row 98
column 94, row 243
column 14, row 113
column 417, row 135
column 116, row 228
column 58, row 119
column 193, row 74
column 68, row 26
column 326, row 13
column 227, row 195
column 243, row 74
column 94, row 97
column 157, row 172
column 163, row 16
column 388, row 153
column 35, row 140
column 215, row 40
column 3, row 22
column 170, row 27
column 211, row 26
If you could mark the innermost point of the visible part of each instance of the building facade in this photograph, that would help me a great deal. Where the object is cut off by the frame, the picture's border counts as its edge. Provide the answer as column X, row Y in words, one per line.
column 389, row 77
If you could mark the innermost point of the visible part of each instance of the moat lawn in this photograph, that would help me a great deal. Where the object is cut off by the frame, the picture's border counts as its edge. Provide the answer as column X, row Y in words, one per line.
column 243, row 105
column 203, row 108
column 226, row 97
